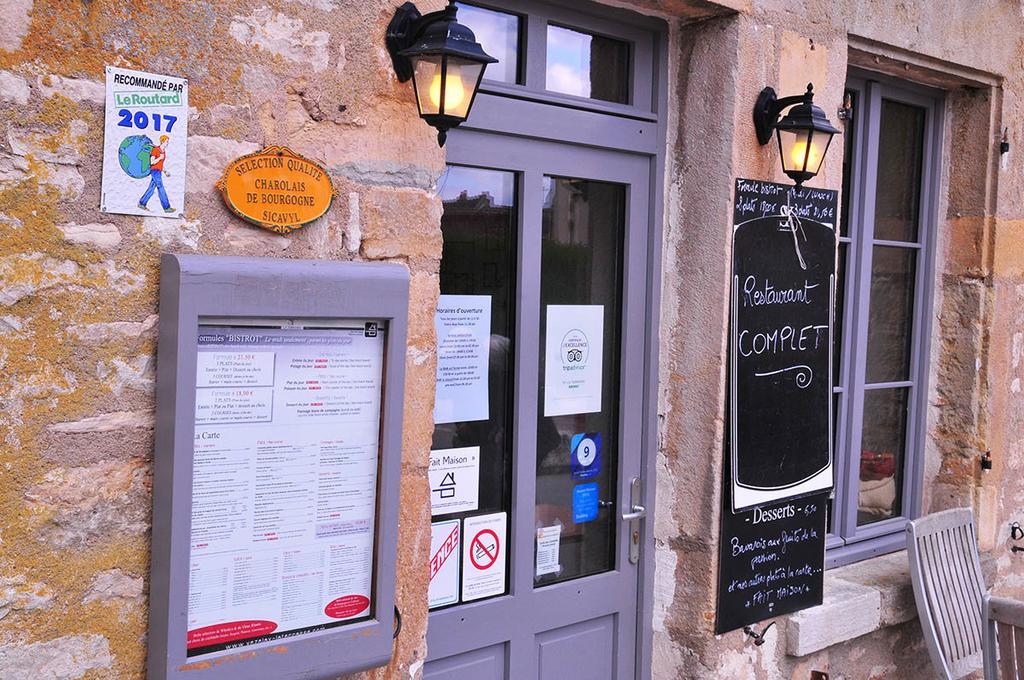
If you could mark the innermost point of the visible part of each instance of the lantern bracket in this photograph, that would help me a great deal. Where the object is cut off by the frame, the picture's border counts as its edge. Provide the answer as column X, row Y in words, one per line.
column 768, row 109
column 406, row 26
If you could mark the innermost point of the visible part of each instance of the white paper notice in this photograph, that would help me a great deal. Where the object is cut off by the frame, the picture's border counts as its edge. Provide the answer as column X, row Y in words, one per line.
column 284, row 482
column 463, row 324
column 483, row 556
column 454, row 480
column 547, row 549
column 444, row 564
column 573, row 359
column 144, row 133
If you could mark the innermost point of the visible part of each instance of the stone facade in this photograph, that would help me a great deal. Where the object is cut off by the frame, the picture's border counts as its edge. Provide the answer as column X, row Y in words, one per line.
column 78, row 304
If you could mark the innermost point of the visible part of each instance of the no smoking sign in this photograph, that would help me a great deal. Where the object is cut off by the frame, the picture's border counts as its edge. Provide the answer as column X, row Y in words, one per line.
column 483, row 557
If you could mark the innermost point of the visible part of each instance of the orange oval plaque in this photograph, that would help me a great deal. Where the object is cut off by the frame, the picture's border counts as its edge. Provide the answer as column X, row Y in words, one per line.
column 276, row 189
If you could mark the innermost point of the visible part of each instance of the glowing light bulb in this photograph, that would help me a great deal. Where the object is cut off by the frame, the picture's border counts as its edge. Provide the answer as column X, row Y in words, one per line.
column 454, row 92
column 797, row 153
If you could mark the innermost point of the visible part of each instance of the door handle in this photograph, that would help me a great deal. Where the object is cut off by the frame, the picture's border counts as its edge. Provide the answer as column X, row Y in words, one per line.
column 638, row 512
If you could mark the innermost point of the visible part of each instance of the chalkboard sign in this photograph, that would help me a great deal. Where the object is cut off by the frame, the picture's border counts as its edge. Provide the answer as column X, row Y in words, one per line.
column 771, row 561
column 784, row 254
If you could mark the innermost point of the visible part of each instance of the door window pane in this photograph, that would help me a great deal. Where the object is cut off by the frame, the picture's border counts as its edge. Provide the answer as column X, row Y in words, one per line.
column 882, row 453
column 587, row 65
column 577, row 429
column 900, row 149
column 891, row 315
column 498, row 33
column 479, row 226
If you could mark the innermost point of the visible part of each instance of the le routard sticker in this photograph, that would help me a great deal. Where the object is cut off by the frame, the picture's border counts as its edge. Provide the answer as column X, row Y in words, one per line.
column 144, row 131
column 276, row 189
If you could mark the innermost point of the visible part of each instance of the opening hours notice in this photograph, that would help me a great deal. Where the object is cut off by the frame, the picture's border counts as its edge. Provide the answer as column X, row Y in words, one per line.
column 287, row 424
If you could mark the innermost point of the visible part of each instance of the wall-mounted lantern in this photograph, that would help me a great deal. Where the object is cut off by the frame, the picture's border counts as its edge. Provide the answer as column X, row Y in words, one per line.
column 804, row 133
column 444, row 60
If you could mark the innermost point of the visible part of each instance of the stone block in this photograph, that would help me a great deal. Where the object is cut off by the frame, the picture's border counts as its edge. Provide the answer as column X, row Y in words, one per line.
column 93, row 235
column 282, row 35
column 849, row 610
column 13, row 88
column 107, row 422
column 115, row 585
column 207, row 158
column 74, row 89
column 64, row 658
column 173, row 231
column 28, row 275
column 101, row 332
column 16, row 593
column 15, row 18
column 890, row 576
column 92, row 503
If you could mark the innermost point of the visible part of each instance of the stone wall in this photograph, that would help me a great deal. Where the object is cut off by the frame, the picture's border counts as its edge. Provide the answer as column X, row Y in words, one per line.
column 976, row 341
column 78, row 305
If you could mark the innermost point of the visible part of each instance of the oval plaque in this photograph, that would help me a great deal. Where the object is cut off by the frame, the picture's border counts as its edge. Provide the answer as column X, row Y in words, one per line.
column 276, row 189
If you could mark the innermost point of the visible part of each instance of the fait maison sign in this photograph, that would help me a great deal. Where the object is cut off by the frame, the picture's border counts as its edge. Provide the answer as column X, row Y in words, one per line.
column 276, row 189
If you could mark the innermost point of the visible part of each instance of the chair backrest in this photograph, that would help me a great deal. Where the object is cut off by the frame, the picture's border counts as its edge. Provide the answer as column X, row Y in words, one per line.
column 949, row 589
column 1004, row 639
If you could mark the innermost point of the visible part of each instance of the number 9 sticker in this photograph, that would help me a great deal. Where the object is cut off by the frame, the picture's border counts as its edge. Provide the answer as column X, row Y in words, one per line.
column 585, row 455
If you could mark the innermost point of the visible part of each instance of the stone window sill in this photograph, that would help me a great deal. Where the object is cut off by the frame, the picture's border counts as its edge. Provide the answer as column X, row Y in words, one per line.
column 859, row 599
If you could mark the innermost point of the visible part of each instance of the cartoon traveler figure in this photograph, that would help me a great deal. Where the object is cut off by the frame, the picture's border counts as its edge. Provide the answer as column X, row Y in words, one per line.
column 156, row 176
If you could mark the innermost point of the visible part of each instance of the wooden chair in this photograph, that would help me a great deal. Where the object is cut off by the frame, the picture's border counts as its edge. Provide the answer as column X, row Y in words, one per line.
column 949, row 590
column 1004, row 638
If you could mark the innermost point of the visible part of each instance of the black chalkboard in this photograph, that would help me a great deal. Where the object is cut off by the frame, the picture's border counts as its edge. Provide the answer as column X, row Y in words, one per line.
column 784, row 250
column 771, row 561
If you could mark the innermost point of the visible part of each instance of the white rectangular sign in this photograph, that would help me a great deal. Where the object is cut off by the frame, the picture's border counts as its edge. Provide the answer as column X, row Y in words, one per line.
column 444, row 564
column 284, row 482
column 454, row 480
column 573, row 358
column 463, row 324
column 484, row 554
column 548, row 541
column 144, row 134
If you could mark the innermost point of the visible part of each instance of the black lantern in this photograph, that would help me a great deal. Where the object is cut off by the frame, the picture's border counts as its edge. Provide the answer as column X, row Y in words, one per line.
column 444, row 60
column 804, row 133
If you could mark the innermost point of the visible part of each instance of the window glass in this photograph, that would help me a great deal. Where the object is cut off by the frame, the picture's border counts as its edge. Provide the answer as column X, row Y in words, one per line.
column 498, row 33
column 900, row 148
column 587, row 65
column 577, row 435
column 882, row 453
column 891, row 315
column 479, row 225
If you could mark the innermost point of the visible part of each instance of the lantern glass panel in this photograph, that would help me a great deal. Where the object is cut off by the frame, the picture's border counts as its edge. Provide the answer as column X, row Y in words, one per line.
column 798, row 151
column 427, row 70
column 460, row 85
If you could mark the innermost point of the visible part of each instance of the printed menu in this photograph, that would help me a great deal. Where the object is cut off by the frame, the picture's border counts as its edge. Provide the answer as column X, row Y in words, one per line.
column 284, row 483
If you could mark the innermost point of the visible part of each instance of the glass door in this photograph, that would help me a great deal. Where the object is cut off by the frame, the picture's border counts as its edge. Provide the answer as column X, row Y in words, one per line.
column 550, row 240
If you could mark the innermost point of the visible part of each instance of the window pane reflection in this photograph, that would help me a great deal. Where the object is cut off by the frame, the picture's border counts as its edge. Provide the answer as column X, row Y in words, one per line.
column 581, row 265
column 587, row 65
column 479, row 226
column 900, row 149
column 891, row 315
column 882, row 453
column 498, row 33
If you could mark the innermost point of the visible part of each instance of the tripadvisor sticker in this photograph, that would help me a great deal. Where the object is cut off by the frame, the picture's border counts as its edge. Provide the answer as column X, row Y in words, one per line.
column 276, row 189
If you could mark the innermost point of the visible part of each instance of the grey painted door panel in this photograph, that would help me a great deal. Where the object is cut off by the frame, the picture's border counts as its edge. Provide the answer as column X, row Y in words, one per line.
column 582, row 650
column 480, row 664
column 586, row 627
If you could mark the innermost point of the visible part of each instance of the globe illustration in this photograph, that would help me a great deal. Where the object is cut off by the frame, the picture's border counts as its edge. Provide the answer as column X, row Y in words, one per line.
column 133, row 155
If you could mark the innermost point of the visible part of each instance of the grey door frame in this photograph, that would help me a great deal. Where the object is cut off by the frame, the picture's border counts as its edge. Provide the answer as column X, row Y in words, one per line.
column 510, row 127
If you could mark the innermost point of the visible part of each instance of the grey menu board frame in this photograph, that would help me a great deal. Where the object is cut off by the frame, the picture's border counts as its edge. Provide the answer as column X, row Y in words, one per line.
column 780, row 388
column 279, row 294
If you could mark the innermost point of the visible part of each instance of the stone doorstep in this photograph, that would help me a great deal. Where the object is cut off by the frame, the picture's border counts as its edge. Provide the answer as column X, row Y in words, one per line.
column 859, row 599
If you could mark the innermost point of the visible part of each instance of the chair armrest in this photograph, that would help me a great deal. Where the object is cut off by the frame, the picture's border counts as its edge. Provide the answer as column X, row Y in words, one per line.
column 1005, row 610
